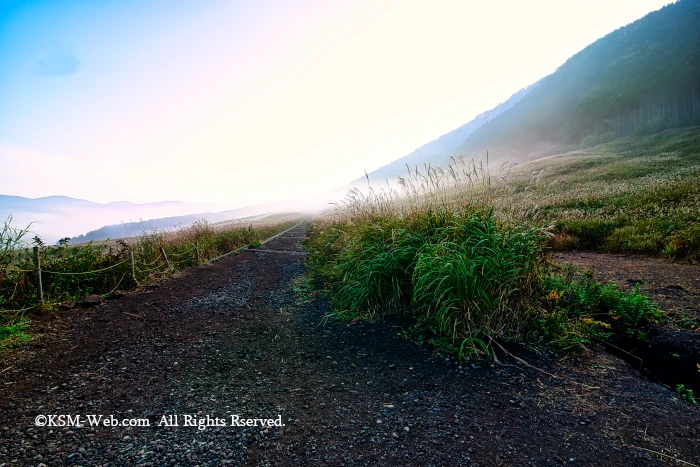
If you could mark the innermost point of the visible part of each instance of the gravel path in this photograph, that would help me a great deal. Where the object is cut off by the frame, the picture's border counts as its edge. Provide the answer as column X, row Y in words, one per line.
column 235, row 339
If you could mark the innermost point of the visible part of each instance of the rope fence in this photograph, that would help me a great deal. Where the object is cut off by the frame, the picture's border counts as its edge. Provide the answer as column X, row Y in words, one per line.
column 151, row 269
column 184, row 253
column 158, row 258
column 86, row 272
column 17, row 270
column 162, row 260
column 182, row 261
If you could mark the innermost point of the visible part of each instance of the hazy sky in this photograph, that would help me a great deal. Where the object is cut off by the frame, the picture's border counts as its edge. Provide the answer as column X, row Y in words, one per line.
column 251, row 101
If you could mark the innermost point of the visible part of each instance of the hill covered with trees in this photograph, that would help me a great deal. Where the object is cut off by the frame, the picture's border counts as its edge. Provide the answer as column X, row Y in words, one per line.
column 639, row 79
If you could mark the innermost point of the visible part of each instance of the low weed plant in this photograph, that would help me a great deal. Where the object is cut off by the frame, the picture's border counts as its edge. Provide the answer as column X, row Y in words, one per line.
column 686, row 394
column 577, row 309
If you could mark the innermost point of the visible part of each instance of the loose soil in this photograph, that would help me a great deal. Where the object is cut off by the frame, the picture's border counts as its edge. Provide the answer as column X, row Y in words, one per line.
column 235, row 338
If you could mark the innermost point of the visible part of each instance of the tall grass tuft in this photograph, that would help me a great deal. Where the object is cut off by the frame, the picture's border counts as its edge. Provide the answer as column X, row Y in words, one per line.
column 463, row 252
column 475, row 274
column 433, row 247
column 11, row 239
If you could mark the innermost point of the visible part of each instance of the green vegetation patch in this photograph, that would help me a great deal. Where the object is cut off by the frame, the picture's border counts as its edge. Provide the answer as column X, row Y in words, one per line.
column 686, row 394
column 577, row 309
column 468, row 277
column 459, row 273
column 633, row 195
column 13, row 335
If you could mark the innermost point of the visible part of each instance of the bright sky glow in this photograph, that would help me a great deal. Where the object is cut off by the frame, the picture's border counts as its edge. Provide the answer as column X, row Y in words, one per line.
column 244, row 102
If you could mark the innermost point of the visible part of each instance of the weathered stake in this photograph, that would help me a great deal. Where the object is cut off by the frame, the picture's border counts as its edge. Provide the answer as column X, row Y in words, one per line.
column 37, row 276
column 131, row 264
column 165, row 257
column 196, row 252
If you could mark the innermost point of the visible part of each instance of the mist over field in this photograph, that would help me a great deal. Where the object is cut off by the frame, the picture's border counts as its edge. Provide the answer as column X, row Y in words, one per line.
column 57, row 217
column 261, row 157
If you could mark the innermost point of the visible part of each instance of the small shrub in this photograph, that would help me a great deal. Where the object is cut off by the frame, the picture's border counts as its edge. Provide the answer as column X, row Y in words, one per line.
column 589, row 234
column 562, row 242
column 638, row 238
column 684, row 243
column 577, row 309
column 686, row 394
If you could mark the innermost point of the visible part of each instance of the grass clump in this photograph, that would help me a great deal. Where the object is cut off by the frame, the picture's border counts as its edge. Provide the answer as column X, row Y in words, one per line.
column 438, row 251
column 459, row 272
column 13, row 334
column 474, row 275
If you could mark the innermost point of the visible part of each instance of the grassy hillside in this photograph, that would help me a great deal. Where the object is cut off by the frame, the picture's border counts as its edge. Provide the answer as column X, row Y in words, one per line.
column 634, row 194
column 639, row 79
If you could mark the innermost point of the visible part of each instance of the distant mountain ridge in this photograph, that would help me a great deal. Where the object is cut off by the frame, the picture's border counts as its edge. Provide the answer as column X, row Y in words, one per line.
column 54, row 217
column 437, row 152
column 130, row 229
column 8, row 202
column 639, row 79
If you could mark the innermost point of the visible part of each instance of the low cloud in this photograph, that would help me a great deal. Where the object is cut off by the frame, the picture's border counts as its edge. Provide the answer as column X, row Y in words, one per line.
column 56, row 60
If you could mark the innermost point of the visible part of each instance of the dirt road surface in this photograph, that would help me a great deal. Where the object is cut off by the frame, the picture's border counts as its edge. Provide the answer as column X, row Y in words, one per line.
column 234, row 338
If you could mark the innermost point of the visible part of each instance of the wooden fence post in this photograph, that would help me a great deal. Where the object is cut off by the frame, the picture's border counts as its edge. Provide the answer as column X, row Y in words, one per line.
column 131, row 264
column 165, row 257
column 196, row 251
column 37, row 276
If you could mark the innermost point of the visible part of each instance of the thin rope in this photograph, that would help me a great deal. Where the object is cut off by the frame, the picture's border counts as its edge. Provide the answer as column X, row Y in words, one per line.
column 17, row 270
column 183, row 253
column 149, row 270
column 83, row 273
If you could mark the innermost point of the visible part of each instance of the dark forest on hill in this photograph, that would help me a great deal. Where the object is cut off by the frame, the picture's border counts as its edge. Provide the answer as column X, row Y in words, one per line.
column 639, row 79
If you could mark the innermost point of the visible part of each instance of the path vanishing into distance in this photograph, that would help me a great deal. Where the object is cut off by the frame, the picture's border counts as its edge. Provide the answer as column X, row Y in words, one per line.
column 235, row 340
